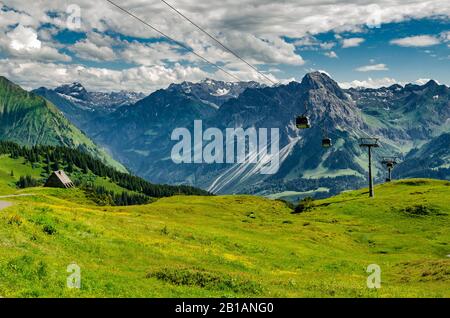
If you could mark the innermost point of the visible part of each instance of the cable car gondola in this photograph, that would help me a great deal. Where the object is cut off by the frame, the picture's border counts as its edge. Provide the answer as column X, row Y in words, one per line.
column 326, row 143
column 302, row 122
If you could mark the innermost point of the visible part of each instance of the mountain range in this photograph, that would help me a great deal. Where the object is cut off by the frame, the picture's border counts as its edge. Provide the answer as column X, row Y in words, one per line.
column 412, row 123
column 81, row 106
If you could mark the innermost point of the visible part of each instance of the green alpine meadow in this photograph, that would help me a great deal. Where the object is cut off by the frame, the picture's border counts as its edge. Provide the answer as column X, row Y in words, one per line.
column 223, row 156
column 223, row 246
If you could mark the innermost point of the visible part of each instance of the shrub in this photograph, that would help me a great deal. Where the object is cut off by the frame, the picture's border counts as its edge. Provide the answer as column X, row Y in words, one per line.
column 305, row 205
column 27, row 182
column 414, row 182
column 45, row 220
column 15, row 220
column 288, row 204
column 204, row 279
column 49, row 229
column 164, row 231
column 419, row 210
column 26, row 267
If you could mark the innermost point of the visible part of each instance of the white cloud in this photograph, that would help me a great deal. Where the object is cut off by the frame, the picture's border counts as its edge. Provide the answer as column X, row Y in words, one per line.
column 370, row 83
column 96, row 47
column 270, row 50
column 143, row 78
column 293, row 18
column 445, row 36
column 416, row 41
column 90, row 51
column 256, row 29
column 352, row 42
column 151, row 53
column 324, row 72
column 372, row 68
column 422, row 81
column 307, row 41
column 331, row 54
column 23, row 42
column 23, row 39
column 311, row 43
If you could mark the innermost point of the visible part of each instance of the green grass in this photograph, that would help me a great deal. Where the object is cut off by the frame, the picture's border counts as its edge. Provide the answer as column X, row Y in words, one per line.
column 211, row 247
column 229, row 246
column 20, row 167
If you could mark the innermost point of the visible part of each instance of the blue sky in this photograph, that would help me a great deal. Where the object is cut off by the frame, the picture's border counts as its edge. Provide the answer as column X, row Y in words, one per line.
column 402, row 63
column 359, row 43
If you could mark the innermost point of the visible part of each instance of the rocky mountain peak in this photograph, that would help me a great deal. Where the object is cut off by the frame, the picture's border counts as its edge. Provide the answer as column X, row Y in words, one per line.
column 74, row 89
column 431, row 83
column 321, row 81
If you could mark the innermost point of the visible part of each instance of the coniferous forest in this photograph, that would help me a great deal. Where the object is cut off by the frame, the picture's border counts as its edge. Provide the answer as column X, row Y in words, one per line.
column 53, row 158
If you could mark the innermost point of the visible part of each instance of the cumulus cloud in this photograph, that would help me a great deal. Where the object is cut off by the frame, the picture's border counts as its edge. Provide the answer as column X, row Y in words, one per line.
column 142, row 78
column 352, row 42
column 370, row 83
column 331, row 54
column 422, row 81
column 95, row 47
column 311, row 43
column 445, row 36
column 381, row 82
column 372, row 68
column 416, row 41
column 23, row 38
column 270, row 50
column 90, row 51
column 256, row 29
column 152, row 53
column 23, row 42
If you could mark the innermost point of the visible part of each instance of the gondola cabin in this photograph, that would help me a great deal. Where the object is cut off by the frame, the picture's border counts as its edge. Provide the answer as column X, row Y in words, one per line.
column 326, row 143
column 302, row 122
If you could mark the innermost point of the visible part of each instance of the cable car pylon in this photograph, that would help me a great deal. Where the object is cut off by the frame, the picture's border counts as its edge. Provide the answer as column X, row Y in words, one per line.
column 389, row 162
column 369, row 143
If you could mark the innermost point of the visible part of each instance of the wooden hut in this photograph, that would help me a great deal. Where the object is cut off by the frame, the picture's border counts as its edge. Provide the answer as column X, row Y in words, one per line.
column 59, row 179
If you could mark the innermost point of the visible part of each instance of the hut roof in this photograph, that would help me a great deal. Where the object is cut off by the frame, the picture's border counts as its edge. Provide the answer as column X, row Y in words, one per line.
column 61, row 177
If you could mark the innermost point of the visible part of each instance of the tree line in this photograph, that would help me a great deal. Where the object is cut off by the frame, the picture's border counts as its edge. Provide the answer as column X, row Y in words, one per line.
column 27, row 181
column 53, row 157
column 102, row 196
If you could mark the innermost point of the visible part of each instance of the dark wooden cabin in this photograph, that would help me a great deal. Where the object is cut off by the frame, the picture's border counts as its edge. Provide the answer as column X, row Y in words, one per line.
column 59, row 179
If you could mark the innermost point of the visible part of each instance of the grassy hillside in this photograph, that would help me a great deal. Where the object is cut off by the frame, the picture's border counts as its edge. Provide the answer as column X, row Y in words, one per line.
column 29, row 119
column 226, row 245
column 84, row 171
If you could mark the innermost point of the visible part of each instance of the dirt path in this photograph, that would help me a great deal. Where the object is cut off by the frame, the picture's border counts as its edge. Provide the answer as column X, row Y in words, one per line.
column 4, row 204
column 15, row 195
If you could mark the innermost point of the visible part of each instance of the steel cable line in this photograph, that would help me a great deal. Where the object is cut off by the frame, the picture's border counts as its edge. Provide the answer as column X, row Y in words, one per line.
column 200, row 56
column 218, row 42
column 173, row 40
column 185, row 47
